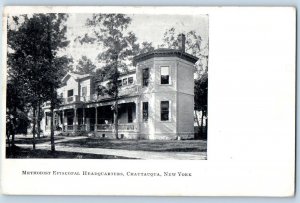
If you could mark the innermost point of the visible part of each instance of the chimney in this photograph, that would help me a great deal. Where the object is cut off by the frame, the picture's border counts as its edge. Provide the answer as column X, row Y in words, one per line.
column 181, row 42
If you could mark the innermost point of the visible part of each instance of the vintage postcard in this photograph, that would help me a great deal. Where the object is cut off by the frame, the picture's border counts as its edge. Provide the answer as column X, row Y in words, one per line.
column 116, row 101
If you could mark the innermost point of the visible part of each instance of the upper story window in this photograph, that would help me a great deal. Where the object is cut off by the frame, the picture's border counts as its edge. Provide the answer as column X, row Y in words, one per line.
column 119, row 82
column 130, row 80
column 61, row 95
column 164, row 110
column 84, row 91
column 145, row 77
column 70, row 93
column 164, row 75
column 125, row 81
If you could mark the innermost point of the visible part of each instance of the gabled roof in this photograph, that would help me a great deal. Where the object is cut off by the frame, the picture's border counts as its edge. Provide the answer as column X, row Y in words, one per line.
column 165, row 53
column 76, row 76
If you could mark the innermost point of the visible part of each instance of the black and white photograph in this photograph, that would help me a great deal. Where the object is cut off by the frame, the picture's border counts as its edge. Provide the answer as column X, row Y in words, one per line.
column 115, row 100
column 107, row 86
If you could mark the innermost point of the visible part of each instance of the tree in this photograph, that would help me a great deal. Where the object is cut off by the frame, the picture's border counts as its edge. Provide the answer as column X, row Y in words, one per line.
column 16, row 112
column 34, row 59
column 23, row 68
column 200, row 98
column 55, row 40
column 193, row 46
column 145, row 47
column 85, row 66
column 119, row 46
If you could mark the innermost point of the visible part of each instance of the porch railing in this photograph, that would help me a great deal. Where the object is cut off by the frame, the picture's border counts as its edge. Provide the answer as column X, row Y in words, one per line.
column 69, row 127
column 81, row 127
column 98, row 127
column 127, row 127
column 124, row 91
column 71, row 99
column 121, row 127
column 104, row 127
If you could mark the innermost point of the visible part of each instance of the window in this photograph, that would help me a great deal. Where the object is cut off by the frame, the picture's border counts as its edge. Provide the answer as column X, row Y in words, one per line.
column 46, row 117
column 120, row 83
column 125, row 81
column 70, row 93
column 164, row 75
column 84, row 91
column 145, row 77
column 130, row 80
column 61, row 95
column 145, row 111
column 130, row 114
column 164, row 110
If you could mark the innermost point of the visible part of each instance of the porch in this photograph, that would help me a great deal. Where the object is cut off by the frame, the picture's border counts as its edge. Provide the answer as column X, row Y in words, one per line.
column 95, row 119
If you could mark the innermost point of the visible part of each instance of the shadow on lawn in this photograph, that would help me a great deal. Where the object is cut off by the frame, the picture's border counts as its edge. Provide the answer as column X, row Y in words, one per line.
column 141, row 145
column 22, row 153
column 37, row 140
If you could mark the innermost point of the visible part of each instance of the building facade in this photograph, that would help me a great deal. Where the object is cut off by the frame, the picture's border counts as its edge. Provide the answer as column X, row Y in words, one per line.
column 156, row 100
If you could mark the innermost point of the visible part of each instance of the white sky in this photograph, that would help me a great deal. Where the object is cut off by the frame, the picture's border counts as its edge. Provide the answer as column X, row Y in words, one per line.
column 148, row 28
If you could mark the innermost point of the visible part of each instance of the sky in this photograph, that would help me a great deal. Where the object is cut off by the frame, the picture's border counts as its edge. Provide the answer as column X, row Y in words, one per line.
column 148, row 28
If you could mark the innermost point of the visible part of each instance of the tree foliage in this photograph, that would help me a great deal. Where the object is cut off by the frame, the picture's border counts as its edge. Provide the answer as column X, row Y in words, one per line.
column 194, row 45
column 85, row 66
column 119, row 47
column 34, row 59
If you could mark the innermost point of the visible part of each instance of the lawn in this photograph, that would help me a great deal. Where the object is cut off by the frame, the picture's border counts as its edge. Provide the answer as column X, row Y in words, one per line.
column 28, row 140
column 25, row 153
column 141, row 145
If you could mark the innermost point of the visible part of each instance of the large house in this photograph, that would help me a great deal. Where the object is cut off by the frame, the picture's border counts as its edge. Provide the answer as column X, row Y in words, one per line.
column 156, row 100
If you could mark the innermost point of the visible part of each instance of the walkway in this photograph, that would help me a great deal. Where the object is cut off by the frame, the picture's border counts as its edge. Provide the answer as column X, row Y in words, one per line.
column 149, row 155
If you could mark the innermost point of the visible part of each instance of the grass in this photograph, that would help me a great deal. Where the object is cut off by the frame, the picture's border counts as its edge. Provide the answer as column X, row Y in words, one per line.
column 28, row 140
column 25, row 153
column 141, row 145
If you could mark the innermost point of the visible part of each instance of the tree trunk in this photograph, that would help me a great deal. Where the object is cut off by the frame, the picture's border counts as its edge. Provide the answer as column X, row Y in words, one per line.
column 52, row 129
column 38, row 123
column 8, row 134
column 13, row 138
column 8, row 137
column 202, row 118
column 198, row 124
column 33, row 127
column 116, row 120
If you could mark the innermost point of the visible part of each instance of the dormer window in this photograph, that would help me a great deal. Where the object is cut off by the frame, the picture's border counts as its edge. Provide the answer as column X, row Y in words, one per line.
column 125, row 81
column 119, row 83
column 164, row 75
column 70, row 93
column 130, row 80
column 84, row 91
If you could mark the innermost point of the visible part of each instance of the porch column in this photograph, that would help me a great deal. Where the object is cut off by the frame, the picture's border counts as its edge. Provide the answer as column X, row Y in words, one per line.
column 137, row 116
column 54, row 119
column 96, row 118
column 46, row 121
column 63, row 120
column 75, row 122
column 83, row 118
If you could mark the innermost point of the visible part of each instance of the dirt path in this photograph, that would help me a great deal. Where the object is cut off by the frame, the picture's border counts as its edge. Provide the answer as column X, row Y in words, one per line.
column 121, row 152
